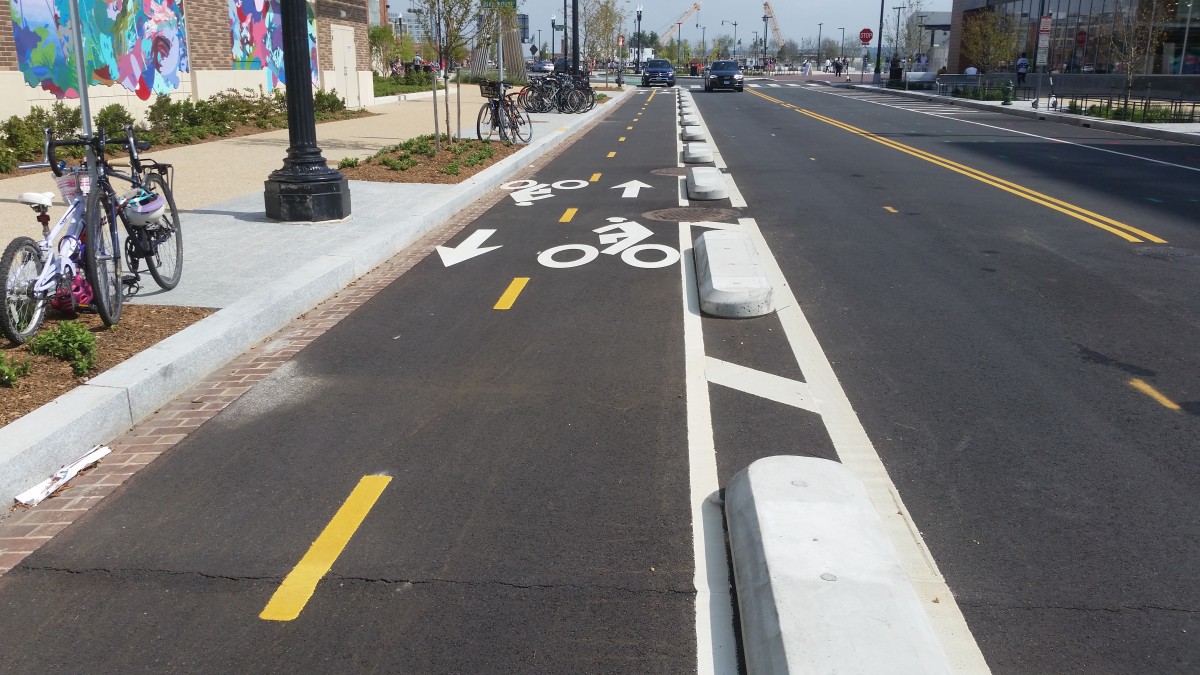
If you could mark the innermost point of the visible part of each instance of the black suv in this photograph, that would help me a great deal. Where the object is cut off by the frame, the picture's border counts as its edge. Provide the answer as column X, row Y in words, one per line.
column 658, row 71
column 723, row 75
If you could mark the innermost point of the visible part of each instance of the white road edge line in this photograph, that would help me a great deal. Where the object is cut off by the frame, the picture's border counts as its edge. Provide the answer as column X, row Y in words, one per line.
column 716, row 648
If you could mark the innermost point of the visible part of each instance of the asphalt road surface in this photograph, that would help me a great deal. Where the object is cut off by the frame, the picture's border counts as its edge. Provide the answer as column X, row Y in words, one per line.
column 494, row 466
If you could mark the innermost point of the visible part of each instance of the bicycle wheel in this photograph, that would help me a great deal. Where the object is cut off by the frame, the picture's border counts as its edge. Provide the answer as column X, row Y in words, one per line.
column 20, row 267
column 485, row 129
column 102, row 255
column 576, row 101
column 522, row 129
column 165, row 238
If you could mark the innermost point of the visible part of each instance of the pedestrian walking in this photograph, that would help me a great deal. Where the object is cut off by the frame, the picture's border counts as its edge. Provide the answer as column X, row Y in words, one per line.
column 1022, row 68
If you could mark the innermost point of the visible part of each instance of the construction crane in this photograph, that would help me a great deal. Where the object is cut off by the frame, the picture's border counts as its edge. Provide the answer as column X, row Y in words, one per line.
column 669, row 33
column 775, row 32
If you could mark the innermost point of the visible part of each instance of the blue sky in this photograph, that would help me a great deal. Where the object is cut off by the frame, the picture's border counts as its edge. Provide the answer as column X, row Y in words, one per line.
column 797, row 20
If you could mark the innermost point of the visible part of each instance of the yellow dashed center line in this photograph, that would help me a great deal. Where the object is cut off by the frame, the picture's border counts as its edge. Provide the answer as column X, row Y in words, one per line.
column 510, row 295
column 629, row 128
column 595, row 178
column 621, row 139
column 569, row 214
column 1153, row 393
column 291, row 596
column 890, row 209
column 612, row 154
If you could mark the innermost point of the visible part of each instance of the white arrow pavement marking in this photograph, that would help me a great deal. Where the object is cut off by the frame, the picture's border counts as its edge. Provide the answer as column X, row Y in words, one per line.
column 468, row 249
column 632, row 188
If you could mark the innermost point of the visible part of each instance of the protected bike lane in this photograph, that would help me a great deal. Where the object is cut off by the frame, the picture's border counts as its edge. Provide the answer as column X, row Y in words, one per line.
column 482, row 467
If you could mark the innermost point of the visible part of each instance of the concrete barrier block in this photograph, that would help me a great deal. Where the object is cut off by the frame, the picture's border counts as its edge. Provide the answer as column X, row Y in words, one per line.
column 820, row 587
column 697, row 153
column 688, row 120
column 730, row 276
column 706, row 183
column 692, row 133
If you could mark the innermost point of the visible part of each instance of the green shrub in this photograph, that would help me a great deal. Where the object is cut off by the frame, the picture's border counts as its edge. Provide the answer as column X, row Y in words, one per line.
column 328, row 102
column 112, row 119
column 69, row 341
column 451, row 169
column 11, row 371
column 348, row 163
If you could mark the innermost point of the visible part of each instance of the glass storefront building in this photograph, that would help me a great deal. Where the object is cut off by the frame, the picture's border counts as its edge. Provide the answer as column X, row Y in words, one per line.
column 1082, row 31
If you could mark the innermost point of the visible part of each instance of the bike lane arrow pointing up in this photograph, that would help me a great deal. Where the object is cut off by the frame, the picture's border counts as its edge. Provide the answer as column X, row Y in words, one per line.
column 469, row 248
column 632, row 188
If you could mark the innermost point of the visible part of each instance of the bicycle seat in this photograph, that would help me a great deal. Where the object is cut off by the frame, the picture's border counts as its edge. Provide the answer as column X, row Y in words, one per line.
column 36, row 198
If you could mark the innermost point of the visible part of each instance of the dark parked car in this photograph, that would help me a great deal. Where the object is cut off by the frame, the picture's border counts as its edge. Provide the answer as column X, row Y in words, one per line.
column 562, row 65
column 723, row 75
column 658, row 71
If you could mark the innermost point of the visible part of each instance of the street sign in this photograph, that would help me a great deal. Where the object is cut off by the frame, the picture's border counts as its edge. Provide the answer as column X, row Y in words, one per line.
column 865, row 36
column 1043, row 50
column 505, row 4
column 533, row 50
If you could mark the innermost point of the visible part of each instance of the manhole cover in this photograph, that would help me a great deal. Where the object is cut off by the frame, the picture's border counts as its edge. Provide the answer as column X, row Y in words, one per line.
column 691, row 214
column 673, row 171
column 1164, row 252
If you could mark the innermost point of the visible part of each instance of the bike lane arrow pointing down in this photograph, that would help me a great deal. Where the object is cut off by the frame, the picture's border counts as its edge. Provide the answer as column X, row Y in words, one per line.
column 632, row 188
column 469, row 248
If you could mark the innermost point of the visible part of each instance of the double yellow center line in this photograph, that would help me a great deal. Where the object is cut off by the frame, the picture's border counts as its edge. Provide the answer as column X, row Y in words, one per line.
column 1126, row 232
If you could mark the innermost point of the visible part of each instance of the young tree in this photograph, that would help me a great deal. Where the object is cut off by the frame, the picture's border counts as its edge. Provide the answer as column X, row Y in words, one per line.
column 382, row 43
column 990, row 39
column 1132, row 43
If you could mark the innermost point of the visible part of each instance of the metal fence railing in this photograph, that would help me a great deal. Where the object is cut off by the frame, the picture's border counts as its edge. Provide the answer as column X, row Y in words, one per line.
column 1128, row 109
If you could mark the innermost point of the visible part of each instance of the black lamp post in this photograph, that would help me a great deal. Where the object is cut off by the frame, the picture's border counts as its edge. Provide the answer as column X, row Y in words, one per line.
column 306, row 188
column 575, row 36
column 819, row 25
column 842, row 46
column 723, row 22
column 553, row 37
column 765, row 17
column 639, row 39
column 679, row 40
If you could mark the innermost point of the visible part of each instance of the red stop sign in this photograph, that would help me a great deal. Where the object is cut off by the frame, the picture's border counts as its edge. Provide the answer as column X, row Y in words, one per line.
column 865, row 35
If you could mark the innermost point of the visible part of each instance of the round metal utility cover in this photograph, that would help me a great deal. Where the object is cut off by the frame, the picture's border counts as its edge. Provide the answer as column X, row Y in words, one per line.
column 673, row 171
column 691, row 214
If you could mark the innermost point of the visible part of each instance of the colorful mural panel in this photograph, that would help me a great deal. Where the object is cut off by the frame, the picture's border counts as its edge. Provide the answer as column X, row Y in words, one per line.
column 258, row 39
column 137, row 44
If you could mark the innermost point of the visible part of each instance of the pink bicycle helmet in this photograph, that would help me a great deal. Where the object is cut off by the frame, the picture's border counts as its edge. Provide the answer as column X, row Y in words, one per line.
column 80, row 295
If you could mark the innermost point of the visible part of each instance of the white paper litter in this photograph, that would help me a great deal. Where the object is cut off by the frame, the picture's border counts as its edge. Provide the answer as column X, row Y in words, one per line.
column 47, row 487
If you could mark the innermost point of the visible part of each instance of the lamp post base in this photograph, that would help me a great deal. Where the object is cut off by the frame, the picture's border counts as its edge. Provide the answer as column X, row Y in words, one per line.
column 288, row 199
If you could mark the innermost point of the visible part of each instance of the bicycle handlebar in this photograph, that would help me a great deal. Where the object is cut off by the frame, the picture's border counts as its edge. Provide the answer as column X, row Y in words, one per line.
column 96, row 143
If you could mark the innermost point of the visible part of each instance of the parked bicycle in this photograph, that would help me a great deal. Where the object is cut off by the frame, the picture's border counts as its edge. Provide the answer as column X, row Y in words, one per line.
column 562, row 92
column 502, row 115
column 37, row 274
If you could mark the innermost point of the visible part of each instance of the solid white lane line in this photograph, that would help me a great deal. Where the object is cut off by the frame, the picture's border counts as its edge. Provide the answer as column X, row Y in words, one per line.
column 716, row 649
column 768, row 386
